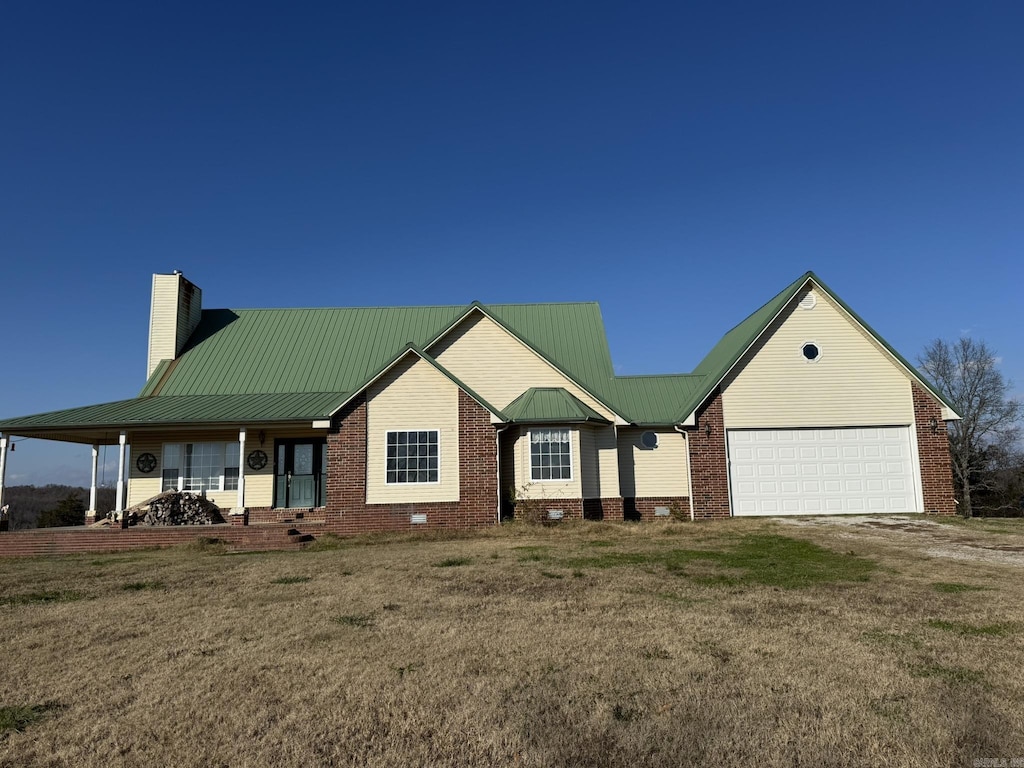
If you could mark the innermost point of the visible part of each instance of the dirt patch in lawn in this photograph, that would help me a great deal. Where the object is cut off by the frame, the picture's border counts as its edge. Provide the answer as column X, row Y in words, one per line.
column 957, row 539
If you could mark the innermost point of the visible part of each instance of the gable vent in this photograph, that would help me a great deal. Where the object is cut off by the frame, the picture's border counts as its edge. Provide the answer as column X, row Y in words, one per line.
column 808, row 302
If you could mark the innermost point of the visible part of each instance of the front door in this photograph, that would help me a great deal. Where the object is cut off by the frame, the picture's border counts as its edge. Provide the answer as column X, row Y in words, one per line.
column 299, row 473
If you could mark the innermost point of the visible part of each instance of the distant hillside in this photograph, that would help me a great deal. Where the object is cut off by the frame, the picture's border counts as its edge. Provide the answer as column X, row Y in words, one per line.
column 28, row 502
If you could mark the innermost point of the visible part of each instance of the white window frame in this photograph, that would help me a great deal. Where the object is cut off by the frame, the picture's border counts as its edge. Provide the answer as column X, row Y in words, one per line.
column 529, row 448
column 816, row 346
column 400, row 483
column 222, row 478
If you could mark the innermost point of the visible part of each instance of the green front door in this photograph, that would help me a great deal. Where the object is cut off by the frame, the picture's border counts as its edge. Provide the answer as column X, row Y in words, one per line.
column 298, row 473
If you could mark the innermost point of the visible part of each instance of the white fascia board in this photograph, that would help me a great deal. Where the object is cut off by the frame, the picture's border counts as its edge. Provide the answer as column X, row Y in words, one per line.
column 322, row 424
column 948, row 414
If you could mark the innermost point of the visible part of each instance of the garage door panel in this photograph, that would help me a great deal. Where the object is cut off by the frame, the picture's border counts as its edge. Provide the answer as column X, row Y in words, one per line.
column 822, row 471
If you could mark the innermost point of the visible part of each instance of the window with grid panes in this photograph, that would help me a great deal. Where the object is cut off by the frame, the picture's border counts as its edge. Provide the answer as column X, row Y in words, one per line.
column 550, row 454
column 413, row 456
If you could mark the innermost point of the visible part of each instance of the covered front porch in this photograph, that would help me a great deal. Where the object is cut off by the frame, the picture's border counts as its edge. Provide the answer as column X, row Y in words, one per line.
column 261, row 458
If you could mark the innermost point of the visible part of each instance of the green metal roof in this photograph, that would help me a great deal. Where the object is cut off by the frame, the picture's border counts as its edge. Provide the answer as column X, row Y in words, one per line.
column 654, row 400
column 185, row 409
column 735, row 342
column 300, row 364
column 543, row 404
column 297, row 350
column 155, row 378
column 337, row 350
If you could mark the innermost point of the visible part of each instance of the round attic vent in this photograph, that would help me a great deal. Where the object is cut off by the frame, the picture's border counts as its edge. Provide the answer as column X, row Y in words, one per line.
column 649, row 440
column 808, row 301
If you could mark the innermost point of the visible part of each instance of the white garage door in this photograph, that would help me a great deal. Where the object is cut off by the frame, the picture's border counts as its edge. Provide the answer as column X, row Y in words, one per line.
column 821, row 471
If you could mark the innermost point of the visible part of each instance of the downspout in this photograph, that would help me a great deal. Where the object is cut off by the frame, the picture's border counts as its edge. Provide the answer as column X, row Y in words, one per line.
column 689, row 475
column 497, row 463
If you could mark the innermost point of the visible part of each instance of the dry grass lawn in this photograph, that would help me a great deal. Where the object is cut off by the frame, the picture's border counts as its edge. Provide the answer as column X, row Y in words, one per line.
column 740, row 642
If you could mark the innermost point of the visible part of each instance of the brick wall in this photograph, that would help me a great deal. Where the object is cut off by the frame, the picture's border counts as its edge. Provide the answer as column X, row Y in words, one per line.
column 709, row 466
column 347, row 511
column 261, row 515
column 933, row 454
column 603, row 509
column 642, row 507
column 78, row 540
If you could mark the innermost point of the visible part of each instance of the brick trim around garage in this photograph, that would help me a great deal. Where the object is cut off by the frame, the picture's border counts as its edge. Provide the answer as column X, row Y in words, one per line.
column 709, row 466
column 933, row 454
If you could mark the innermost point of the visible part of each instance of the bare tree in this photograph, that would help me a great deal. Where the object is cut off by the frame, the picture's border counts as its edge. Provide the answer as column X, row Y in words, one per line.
column 990, row 425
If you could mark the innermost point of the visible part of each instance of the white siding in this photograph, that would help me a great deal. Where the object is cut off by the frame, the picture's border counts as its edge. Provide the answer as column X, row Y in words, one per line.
column 413, row 396
column 546, row 489
column 259, row 485
column 606, row 444
column 652, row 472
column 498, row 366
column 174, row 313
column 855, row 382
column 590, row 477
column 163, row 316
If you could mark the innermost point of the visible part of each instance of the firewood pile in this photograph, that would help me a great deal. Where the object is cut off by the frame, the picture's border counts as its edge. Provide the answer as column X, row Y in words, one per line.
column 176, row 508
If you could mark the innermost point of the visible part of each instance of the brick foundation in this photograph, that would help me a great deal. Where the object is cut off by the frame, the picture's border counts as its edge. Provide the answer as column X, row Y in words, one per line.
column 709, row 463
column 347, row 511
column 80, row 540
column 603, row 509
column 573, row 509
column 642, row 508
column 933, row 455
column 261, row 515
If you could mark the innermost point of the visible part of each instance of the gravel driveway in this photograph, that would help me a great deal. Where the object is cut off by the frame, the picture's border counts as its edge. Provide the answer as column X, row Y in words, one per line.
column 985, row 543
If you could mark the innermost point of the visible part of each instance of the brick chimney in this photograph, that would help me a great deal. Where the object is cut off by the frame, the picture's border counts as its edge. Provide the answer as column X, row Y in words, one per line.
column 173, row 315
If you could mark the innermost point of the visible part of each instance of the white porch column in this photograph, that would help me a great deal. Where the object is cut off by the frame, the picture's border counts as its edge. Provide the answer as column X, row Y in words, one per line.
column 122, row 444
column 91, row 512
column 241, row 468
column 3, row 465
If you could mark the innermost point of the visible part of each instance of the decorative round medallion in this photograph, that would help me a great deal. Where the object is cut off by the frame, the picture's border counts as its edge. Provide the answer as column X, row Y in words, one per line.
column 146, row 462
column 257, row 460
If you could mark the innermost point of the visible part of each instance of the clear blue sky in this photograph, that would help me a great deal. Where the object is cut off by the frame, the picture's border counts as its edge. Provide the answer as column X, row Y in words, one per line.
column 679, row 164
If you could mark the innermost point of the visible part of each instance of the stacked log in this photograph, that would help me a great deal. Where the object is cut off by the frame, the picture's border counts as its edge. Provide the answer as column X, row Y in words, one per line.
column 177, row 508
